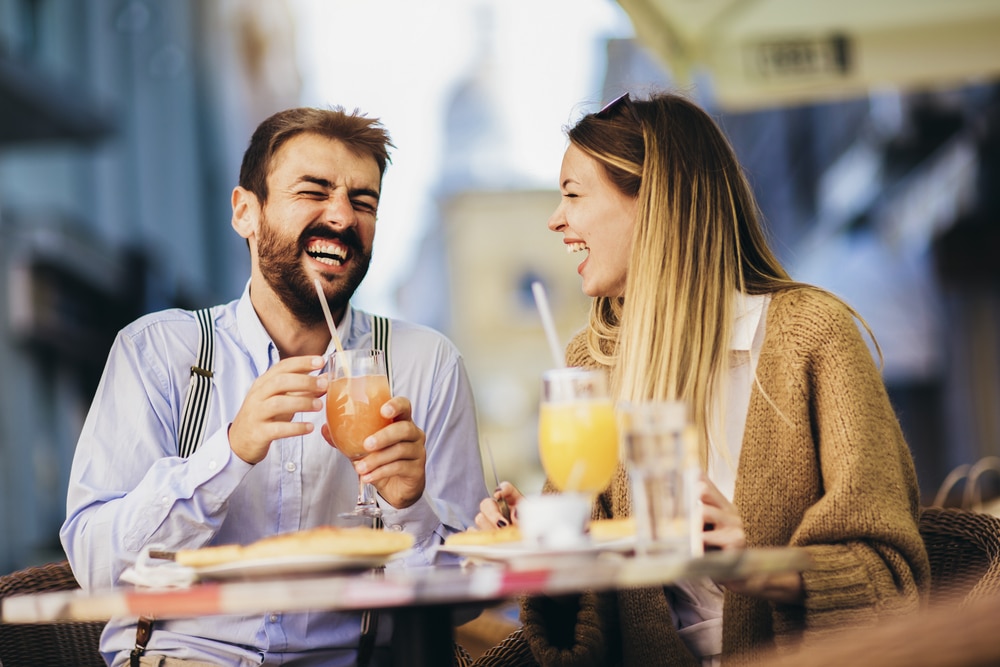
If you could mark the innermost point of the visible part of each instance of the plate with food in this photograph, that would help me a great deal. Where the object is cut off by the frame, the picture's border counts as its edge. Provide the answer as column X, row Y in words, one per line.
column 284, row 566
column 605, row 536
column 321, row 549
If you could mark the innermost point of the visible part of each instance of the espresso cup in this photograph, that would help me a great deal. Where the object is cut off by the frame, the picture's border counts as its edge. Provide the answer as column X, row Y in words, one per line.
column 554, row 520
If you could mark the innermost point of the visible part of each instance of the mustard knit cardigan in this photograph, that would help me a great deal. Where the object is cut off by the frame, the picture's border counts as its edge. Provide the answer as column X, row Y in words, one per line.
column 832, row 475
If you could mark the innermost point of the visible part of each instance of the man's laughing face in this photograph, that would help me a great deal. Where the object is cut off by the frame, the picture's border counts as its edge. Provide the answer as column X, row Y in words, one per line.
column 318, row 222
column 281, row 264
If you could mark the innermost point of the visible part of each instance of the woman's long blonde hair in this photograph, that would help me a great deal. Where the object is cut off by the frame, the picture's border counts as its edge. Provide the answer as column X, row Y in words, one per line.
column 697, row 240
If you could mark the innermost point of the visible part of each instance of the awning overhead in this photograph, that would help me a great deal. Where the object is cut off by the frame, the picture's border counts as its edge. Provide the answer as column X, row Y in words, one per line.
column 764, row 53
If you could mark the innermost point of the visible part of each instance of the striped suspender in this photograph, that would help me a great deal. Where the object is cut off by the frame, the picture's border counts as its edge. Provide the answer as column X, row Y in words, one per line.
column 381, row 337
column 196, row 405
column 381, row 330
column 189, row 434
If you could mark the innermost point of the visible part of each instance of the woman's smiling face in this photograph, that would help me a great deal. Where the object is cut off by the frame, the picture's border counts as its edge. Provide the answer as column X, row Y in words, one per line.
column 596, row 218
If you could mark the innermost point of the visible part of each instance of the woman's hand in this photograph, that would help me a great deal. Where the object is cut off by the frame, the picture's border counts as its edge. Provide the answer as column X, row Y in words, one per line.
column 723, row 525
column 490, row 517
column 724, row 530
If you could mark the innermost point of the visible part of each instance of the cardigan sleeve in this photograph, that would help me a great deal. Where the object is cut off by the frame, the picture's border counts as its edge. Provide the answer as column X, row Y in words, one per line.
column 513, row 651
column 570, row 632
column 564, row 632
column 858, row 491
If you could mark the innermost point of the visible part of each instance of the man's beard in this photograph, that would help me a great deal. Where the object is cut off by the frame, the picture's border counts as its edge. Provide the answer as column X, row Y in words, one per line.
column 280, row 263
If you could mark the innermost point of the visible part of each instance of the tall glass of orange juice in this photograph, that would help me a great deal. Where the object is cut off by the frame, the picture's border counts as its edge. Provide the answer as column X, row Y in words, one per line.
column 359, row 387
column 577, row 430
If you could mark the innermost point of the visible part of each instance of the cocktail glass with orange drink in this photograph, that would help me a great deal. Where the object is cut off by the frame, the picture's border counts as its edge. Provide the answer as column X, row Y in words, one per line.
column 359, row 387
column 577, row 430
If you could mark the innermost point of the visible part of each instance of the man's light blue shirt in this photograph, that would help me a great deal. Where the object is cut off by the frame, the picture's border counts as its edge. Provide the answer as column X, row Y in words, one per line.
column 129, row 489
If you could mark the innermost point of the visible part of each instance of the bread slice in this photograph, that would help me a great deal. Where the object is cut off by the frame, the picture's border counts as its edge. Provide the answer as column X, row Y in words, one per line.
column 606, row 530
column 602, row 530
column 208, row 556
column 473, row 537
column 323, row 540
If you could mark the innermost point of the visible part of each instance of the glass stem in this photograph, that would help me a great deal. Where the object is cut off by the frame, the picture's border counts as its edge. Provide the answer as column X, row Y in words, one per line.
column 364, row 498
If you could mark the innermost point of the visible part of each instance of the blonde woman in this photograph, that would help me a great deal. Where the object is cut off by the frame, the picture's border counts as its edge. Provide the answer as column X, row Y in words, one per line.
column 800, row 444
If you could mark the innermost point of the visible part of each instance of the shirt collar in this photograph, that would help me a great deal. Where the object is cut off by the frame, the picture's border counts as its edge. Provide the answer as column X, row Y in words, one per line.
column 258, row 343
column 748, row 309
column 263, row 351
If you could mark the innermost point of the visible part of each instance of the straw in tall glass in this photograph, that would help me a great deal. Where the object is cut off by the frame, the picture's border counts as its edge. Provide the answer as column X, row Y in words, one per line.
column 577, row 431
column 358, row 389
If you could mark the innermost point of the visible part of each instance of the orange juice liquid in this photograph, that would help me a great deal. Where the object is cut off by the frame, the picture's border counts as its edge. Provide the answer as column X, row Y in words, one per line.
column 352, row 411
column 574, row 431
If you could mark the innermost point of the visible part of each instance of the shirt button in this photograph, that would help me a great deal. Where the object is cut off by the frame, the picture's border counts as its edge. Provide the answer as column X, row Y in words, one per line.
column 212, row 465
column 398, row 528
column 273, row 618
column 290, row 467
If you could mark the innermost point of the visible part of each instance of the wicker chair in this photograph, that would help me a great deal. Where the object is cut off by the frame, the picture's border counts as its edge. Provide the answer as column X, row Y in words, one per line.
column 31, row 645
column 958, row 629
column 964, row 551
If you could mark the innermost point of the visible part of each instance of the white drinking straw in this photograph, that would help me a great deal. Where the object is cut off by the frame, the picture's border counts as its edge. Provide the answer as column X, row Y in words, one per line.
column 550, row 327
column 329, row 322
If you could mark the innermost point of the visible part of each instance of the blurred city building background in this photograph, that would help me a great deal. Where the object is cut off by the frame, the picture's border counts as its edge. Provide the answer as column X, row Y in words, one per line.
column 872, row 141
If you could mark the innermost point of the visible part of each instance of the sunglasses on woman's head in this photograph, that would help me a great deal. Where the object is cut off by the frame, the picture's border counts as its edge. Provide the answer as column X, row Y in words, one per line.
column 621, row 103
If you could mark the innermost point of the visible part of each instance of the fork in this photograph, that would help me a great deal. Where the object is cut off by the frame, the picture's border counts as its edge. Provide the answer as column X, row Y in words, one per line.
column 504, row 508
